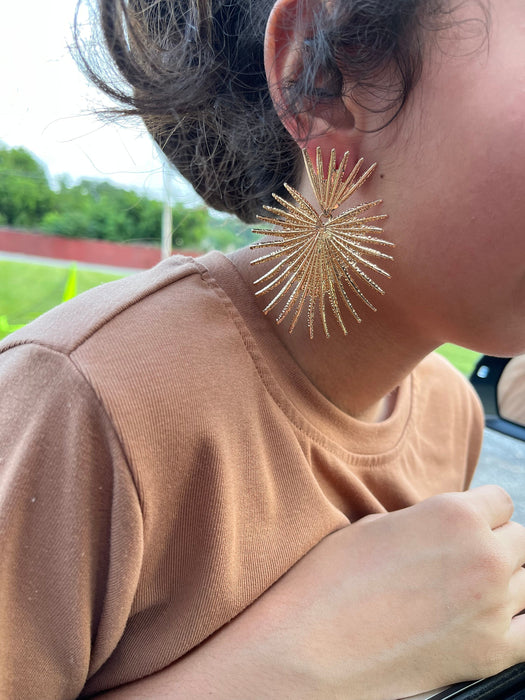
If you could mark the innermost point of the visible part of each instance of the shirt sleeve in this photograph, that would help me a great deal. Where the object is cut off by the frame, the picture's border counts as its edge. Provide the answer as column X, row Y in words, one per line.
column 70, row 528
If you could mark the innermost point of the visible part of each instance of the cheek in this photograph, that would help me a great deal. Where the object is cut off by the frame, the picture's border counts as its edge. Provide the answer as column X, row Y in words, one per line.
column 475, row 190
column 461, row 214
column 494, row 200
column 489, row 141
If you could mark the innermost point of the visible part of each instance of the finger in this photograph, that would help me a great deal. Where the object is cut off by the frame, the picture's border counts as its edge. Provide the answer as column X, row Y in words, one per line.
column 517, row 591
column 493, row 503
column 511, row 537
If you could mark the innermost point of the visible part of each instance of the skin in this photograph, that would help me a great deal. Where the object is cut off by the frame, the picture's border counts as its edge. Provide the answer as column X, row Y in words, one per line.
column 396, row 604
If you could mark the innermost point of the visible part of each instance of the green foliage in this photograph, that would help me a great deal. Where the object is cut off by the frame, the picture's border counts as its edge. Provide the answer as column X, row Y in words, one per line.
column 101, row 210
column 227, row 234
column 25, row 195
column 70, row 290
column 95, row 209
column 190, row 227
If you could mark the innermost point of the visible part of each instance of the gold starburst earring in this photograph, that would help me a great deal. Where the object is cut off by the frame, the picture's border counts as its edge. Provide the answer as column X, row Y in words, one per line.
column 321, row 253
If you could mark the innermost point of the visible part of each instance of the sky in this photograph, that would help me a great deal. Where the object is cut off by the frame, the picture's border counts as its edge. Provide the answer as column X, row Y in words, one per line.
column 46, row 106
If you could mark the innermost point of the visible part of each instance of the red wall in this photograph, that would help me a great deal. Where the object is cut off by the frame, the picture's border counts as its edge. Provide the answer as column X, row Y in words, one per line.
column 80, row 249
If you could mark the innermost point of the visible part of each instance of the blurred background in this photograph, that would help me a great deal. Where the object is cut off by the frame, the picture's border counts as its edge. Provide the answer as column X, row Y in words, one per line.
column 83, row 200
column 47, row 105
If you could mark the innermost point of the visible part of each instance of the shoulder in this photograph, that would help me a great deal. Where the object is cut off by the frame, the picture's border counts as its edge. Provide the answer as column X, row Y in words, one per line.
column 435, row 376
column 68, row 325
column 447, row 394
column 435, row 364
column 151, row 350
column 151, row 328
column 71, row 517
column 449, row 415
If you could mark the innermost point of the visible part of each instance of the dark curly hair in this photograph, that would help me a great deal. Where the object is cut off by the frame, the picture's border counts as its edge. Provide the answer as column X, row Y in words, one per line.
column 193, row 70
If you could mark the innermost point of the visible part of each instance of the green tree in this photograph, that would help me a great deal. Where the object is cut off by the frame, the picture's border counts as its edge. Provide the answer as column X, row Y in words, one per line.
column 227, row 234
column 190, row 227
column 97, row 209
column 25, row 194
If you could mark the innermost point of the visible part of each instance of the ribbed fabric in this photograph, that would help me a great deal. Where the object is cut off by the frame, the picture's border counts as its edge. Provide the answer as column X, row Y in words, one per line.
column 164, row 461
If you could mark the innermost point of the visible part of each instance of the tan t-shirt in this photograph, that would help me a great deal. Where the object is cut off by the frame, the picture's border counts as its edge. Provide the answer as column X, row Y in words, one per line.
column 164, row 461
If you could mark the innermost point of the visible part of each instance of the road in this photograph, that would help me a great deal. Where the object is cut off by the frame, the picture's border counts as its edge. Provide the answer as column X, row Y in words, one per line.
column 54, row 262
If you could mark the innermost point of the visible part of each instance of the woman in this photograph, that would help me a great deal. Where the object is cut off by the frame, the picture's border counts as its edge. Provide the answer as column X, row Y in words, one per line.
column 176, row 459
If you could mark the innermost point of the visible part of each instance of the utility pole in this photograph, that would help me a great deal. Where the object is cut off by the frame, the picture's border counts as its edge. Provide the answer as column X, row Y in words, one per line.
column 167, row 229
column 166, row 235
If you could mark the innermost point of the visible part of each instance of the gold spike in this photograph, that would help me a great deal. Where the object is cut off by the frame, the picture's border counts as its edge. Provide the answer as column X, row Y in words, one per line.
column 319, row 254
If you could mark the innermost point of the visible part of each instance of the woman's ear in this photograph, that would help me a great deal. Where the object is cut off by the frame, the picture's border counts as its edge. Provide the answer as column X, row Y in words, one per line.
column 312, row 123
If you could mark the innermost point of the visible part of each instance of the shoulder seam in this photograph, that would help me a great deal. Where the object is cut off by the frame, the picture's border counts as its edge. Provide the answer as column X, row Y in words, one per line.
column 100, row 404
column 6, row 344
column 127, row 306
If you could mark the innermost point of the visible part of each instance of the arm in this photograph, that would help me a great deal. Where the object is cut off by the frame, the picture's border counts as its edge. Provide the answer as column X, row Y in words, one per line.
column 389, row 606
column 70, row 528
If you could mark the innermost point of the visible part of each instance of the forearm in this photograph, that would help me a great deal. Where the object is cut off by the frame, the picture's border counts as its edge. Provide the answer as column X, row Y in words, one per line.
column 247, row 658
column 322, row 631
column 379, row 610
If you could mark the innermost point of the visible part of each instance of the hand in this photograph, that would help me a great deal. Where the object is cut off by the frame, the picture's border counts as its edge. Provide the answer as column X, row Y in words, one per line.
column 392, row 605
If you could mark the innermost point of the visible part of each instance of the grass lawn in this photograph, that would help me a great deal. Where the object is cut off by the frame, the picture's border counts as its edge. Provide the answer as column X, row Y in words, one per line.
column 464, row 360
column 27, row 290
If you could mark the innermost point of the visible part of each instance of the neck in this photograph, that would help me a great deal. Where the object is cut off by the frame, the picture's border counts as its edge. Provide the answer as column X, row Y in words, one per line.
column 359, row 372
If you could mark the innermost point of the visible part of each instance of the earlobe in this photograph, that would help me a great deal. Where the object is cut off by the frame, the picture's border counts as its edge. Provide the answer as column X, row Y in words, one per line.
column 328, row 124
